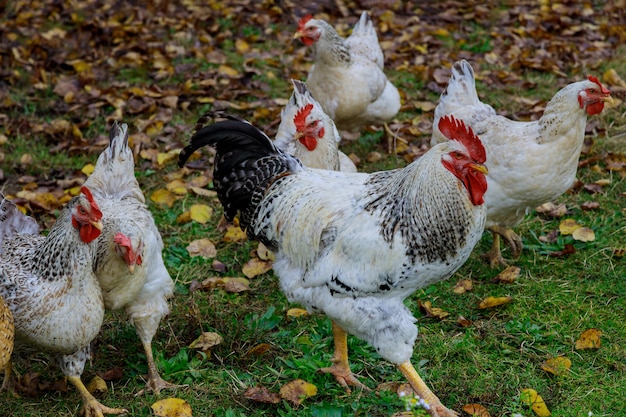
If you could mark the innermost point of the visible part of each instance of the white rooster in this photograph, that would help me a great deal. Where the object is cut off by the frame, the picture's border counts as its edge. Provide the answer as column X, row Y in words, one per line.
column 529, row 163
column 353, row 246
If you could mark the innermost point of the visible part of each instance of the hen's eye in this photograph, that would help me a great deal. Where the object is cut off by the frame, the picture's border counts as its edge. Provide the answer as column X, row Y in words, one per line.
column 458, row 155
column 81, row 210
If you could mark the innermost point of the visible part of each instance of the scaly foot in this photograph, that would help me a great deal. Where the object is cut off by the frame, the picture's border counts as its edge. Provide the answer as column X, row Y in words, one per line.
column 344, row 376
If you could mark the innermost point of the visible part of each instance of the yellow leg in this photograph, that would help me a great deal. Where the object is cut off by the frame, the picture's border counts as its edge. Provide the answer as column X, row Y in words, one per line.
column 512, row 239
column 155, row 382
column 419, row 386
column 9, row 380
column 341, row 367
column 91, row 406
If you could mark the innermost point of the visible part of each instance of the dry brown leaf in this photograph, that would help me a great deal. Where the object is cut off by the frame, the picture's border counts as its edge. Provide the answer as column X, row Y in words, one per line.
column 203, row 192
column 264, row 253
column 201, row 213
column 430, row 311
column 508, row 275
column 463, row 322
column 183, row 218
column 97, row 386
column 491, row 302
column 476, row 410
column 532, row 399
column 297, row 391
column 463, row 286
column 557, row 366
column 202, row 247
column 172, row 407
column 255, row 267
column 258, row 350
column 261, row 394
column 230, row 284
column 552, row 210
column 584, row 234
column 589, row 339
column 206, row 341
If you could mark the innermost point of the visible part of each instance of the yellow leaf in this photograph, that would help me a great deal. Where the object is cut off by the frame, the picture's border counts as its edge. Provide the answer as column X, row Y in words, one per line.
column 203, row 192
column 228, row 71
column 199, row 181
column 557, row 366
column 164, row 157
column 234, row 234
column 531, row 398
column 178, row 187
column 509, row 275
column 183, row 218
column 296, row 312
column 611, row 77
column 88, row 169
column 264, row 253
column 425, row 106
column 256, row 266
column 97, row 385
column 476, row 410
column 201, row 213
column 202, row 247
column 297, row 391
column 568, row 226
column 463, row 286
column 589, row 339
column 490, row 302
column 229, row 284
column 431, row 311
column 206, row 341
column 584, row 234
column 172, row 407
column 242, row 46
column 163, row 197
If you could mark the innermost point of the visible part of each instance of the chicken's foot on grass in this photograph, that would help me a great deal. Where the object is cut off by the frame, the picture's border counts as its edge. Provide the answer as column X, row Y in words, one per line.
column 512, row 239
column 155, row 383
column 437, row 409
column 91, row 406
column 341, row 368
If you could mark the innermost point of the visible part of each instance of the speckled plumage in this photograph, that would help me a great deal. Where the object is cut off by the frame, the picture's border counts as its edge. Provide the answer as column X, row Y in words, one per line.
column 326, row 154
column 143, row 293
column 350, row 245
column 347, row 76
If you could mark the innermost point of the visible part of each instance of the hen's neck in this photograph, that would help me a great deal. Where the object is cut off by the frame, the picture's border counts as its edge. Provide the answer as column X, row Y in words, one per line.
column 563, row 121
column 331, row 49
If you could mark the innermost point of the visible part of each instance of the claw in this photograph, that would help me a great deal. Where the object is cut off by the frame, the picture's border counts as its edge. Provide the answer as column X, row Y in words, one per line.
column 512, row 239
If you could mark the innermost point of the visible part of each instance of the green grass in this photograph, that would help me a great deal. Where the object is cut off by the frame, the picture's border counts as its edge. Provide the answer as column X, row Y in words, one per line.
column 554, row 299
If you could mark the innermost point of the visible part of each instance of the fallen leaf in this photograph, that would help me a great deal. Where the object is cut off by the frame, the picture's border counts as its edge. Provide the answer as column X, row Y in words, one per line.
column 234, row 234
column 201, row 213
column 568, row 249
column 259, row 349
column 88, row 169
column 202, row 247
column 532, row 399
column 463, row 286
column 264, row 253
column 584, row 234
column 177, row 187
column 97, row 385
column 567, row 226
column 508, row 276
column 172, row 407
column 430, row 311
column 476, row 410
column 296, row 312
column 463, row 322
column 255, row 267
column 206, row 341
column 262, row 395
column 589, row 339
column 557, row 366
column 163, row 197
column 236, row 285
column 113, row 374
column 590, row 205
column 297, row 391
column 231, row 284
column 490, row 302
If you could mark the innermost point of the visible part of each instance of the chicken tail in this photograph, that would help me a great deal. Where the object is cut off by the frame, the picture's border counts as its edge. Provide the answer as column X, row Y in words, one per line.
column 365, row 26
column 461, row 89
column 246, row 162
column 13, row 221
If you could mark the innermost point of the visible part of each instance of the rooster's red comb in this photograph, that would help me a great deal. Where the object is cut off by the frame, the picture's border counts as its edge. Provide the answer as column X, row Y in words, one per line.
column 122, row 239
column 456, row 130
column 300, row 118
column 602, row 88
column 94, row 206
column 303, row 21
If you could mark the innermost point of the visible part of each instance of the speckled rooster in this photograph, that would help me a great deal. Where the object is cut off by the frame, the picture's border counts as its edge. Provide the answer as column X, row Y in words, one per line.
column 49, row 285
column 353, row 246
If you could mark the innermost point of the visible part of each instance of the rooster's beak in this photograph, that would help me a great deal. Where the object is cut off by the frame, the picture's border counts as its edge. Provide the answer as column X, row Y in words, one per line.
column 97, row 225
column 479, row 168
column 298, row 35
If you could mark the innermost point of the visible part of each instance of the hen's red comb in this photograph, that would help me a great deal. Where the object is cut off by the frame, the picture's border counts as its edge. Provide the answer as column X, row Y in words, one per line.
column 303, row 21
column 602, row 88
column 456, row 130
column 94, row 206
column 122, row 239
column 300, row 118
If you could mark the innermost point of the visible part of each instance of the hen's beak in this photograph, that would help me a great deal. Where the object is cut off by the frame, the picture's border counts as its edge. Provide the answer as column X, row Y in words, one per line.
column 479, row 168
column 298, row 135
column 131, row 268
column 97, row 225
column 608, row 99
column 298, row 35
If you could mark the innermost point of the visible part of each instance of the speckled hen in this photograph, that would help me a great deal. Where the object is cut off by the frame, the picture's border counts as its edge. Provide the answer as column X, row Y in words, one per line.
column 128, row 261
column 529, row 163
column 49, row 285
column 347, row 75
column 309, row 134
column 353, row 246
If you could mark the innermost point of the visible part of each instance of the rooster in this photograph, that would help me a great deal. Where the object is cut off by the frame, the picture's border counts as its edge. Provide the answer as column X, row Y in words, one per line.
column 307, row 133
column 49, row 285
column 347, row 75
column 357, row 257
column 128, row 261
column 529, row 163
